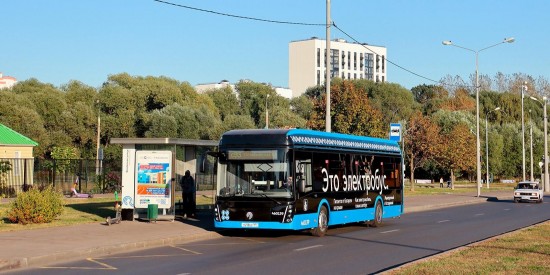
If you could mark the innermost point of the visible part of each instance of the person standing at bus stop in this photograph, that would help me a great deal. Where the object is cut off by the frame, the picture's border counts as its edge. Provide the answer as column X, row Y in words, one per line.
column 188, row 194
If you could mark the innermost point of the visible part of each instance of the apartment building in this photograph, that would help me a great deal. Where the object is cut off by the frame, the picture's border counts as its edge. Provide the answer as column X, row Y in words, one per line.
column 306, row 64
column 203, row 88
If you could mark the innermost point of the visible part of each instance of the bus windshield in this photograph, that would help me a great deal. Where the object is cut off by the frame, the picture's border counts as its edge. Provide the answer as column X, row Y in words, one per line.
column 256, row 173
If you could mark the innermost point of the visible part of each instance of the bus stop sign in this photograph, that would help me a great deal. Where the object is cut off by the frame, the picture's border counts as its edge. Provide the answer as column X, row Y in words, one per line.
column 395, row 132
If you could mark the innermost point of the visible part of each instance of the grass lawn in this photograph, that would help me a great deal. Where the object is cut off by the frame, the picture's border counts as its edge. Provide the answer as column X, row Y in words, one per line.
column 79, row 211
column 526, row 251
column 460, row 187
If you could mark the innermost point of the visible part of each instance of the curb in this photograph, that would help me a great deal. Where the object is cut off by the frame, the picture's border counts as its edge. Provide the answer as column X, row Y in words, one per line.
column 99, row 251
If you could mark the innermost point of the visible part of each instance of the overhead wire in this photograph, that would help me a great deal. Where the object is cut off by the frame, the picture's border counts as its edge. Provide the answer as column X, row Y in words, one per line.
column 303, row 24
column 389, row 61
column 239, row 16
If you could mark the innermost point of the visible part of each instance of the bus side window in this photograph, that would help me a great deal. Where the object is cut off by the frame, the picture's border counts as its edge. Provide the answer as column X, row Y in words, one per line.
column 318, row 179
column 303, row 178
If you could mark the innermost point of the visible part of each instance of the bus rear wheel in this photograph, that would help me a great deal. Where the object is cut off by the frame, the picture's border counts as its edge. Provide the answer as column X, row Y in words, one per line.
column 322, row 223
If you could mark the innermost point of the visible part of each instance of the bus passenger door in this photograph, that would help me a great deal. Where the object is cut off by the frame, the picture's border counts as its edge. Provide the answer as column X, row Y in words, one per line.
column 303, row 175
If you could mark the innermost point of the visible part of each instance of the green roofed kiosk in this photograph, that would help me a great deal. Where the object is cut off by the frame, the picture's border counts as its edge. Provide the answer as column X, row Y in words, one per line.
column 16, row 152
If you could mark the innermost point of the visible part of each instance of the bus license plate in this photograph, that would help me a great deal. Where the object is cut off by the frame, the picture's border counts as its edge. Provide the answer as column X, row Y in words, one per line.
column 249, row 224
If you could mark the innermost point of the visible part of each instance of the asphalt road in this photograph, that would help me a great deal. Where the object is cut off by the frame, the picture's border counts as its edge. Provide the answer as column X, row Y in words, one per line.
column 351, row 249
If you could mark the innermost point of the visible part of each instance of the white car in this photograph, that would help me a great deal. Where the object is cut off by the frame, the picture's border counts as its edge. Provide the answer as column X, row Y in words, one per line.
column 528, row 191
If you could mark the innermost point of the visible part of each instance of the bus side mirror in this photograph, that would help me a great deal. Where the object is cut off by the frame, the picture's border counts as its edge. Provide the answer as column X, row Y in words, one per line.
column 204, row 163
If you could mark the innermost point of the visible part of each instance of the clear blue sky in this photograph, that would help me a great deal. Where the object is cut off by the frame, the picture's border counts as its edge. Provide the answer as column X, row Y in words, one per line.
column 63, row 40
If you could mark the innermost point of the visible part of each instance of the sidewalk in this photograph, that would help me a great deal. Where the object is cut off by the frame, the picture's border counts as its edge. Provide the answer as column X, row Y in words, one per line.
column 31, row 248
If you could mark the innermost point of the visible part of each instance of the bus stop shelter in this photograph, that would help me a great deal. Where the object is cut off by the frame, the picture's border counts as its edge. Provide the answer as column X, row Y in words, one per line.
column 151, row 169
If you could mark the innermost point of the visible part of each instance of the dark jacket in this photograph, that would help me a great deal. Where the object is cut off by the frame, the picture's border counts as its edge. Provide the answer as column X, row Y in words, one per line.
column 187, row 184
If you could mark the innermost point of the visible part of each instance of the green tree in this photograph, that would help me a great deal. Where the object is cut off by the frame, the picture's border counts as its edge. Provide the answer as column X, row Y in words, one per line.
column 237, row 122
column 447, row 120
column 351, row 112
column 394, row 102
column 303, row 106
column 17, row 112
column 80, row 126
column 76, row 91
column 209, row 121
column 62, row 157
column 225, row 100
column 118, row 112
column 253, row 100
column 162, row 125
column 430, row 97
column 284, row 117
column 512, row 149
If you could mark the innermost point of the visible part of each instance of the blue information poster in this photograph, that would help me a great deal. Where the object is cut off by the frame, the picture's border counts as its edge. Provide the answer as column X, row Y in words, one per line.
column 153, row 174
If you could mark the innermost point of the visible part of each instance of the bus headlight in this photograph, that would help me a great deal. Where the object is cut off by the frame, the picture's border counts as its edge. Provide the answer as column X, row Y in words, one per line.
column 216, row 214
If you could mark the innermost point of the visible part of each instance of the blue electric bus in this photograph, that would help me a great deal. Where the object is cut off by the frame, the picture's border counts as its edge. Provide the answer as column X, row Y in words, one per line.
column 296, row 179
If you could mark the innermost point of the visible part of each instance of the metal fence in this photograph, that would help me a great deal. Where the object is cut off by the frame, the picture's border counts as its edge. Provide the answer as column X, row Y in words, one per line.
column 62, row 174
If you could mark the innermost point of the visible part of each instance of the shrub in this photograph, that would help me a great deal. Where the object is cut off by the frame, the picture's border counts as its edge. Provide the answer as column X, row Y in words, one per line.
column 36, row 206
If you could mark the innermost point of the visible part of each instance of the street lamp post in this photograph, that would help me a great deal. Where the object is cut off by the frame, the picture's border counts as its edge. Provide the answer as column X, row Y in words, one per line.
column 98, row 137
column 478, row 150
column 266, row 113
column 531, row 145
column 546, row 178
column 487, row 142
column 523, row 130
column 328, row 119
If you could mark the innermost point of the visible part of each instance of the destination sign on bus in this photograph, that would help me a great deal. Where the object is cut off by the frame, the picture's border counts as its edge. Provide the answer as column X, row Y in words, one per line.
column 252, row 155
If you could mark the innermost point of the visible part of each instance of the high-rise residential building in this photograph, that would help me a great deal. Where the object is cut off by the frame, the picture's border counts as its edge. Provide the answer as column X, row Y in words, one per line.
column 7, row 81
column 306, row 62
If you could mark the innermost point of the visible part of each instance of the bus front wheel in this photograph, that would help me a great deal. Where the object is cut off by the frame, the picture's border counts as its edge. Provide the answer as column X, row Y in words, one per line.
column 377, row 215
column 322, row 223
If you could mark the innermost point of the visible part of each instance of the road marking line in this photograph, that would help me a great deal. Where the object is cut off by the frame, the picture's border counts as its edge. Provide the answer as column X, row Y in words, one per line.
column 142, row 256
column 76, row 267
column 480, row 214
column 389, row 231
column 506, row 209
column 100, row 263
column 309, row 247
column 105, row 266
column 443, row 221
column 184, row 249
column 218, row 244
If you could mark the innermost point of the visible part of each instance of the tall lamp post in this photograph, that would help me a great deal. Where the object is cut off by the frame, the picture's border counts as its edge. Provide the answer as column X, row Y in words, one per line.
column 546, row 181
column 531, row 145
column 98, row 137
column 478, row 150
column 523, row 90
column 487, row 141
column 328, row 119
column 266, row 113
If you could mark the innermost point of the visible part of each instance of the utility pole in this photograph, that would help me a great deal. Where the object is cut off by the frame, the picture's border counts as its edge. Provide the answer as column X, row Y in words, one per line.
column 328, row 121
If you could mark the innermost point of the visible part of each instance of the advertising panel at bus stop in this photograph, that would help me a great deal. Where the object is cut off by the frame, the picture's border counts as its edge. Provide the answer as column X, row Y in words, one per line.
column 153, row 174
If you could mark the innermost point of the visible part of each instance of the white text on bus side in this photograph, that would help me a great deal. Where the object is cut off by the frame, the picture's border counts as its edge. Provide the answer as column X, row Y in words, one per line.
column 331, row 183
